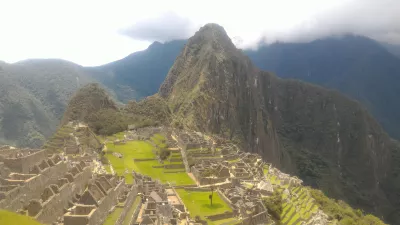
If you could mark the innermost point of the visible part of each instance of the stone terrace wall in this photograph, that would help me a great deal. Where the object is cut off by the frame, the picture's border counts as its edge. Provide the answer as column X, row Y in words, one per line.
column 221, row 216
column 33, row 187
column 25, row 163
column 106, row 204
column 128, row 205
column 225, row 199
column 261, row 218
column 54, row 207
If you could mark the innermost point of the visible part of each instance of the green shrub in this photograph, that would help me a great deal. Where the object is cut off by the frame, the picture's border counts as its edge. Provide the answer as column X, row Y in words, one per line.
column 274, row 205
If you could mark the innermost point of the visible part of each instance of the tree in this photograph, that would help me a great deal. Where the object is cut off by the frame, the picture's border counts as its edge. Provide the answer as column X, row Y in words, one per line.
column 211, row 172
column 274, row 205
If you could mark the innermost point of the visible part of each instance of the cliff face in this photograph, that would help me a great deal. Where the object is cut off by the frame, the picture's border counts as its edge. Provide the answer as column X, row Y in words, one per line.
column 330, row 141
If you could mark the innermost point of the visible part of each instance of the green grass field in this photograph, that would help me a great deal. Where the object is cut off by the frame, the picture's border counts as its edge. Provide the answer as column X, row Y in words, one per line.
column 113, row 217
column 159, row 140
column 198, row 204
column 10, row 218
column 131, row 211
column 142, row 150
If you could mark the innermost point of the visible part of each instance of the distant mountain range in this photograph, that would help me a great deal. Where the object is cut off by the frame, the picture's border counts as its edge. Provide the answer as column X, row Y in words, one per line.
column 356, row 66
column 33, row 97
column 139, row 74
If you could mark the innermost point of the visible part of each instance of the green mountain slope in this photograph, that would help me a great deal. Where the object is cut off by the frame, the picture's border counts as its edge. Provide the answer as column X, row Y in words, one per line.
column 356, row 66
column 93, row 106
column 139, row 74
column 330, row 141
column 33, row 97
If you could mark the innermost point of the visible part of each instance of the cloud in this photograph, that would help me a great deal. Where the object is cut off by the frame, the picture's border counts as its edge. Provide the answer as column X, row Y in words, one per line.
column 121, row 27
column 377, row 19
column 166, row 27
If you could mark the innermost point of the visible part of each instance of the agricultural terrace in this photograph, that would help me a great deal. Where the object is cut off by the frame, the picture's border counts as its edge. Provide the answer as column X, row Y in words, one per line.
column 152, row 167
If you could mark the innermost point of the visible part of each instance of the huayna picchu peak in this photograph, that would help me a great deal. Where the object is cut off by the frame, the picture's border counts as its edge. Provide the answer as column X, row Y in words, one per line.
column 221, row 143
column 327, row 139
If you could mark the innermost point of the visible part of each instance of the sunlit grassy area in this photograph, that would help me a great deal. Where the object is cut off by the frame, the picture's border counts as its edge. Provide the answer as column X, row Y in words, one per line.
column 300, row 207
column 159, row 140
column 142, row 150
column 131, row 211
column 10, row 218
column 113, row 217
column 198, row 204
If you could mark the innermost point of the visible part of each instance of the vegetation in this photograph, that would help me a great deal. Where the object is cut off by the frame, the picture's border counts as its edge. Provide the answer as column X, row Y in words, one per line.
column 143, row 150
column 198, row 204
column 67, row 133
column 8, row 218
column 131, row 211
column 113, row 217
column 34, row 95
column 274, row 205
column 342, row 212
column 141, row 73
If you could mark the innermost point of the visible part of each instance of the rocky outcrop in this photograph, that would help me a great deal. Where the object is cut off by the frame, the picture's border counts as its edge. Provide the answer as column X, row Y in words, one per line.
column 328, row 140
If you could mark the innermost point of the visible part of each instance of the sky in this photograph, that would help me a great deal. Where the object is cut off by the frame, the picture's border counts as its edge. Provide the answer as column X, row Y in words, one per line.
column 95, row 32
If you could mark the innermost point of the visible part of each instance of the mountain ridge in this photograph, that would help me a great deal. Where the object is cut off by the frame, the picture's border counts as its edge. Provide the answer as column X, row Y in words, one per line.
column 34, row 94
column 213, row 87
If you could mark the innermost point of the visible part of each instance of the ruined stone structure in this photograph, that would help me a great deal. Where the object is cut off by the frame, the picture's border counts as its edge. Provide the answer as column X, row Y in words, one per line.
column 41, row 186
column 95, row 203
column 161, row 204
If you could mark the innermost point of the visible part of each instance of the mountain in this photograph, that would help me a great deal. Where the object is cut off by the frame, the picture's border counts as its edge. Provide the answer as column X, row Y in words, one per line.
column 94, row 106
column 354, row 65
column 394, row 49
column 327, row 139
column 139, row 74
column 357, row 66
column 33, row 96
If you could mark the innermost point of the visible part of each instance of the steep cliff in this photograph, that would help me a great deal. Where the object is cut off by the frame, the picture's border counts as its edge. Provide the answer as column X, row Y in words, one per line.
column 330, row 141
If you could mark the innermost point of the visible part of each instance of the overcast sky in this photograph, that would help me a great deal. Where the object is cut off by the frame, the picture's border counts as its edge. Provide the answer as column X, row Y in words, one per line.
column 94, row 32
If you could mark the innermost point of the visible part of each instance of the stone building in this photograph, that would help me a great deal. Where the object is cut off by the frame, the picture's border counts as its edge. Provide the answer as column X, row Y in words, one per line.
column 95, row 203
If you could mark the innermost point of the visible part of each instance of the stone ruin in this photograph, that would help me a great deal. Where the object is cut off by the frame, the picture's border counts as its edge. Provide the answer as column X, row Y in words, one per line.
column 94, row 205
column 39, row 185
column 160, row 203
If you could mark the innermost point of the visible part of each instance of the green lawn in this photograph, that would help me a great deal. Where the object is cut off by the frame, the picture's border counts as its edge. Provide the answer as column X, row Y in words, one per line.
column 128, row 216
column 159, row 140
column 198, row 204
column 10, row 218
column 113, row 217
column 142, row 150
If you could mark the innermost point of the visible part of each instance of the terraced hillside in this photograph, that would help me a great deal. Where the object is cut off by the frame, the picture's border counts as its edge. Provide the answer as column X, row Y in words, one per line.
column 72, row 136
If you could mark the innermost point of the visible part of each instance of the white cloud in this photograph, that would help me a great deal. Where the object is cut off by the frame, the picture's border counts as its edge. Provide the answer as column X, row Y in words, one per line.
column 89, row 32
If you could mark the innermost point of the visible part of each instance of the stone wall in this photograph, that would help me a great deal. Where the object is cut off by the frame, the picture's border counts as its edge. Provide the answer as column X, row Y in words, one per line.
column 33, row 187
column 224, row 198
column 99, row 214
column 128, row 205
column 199, row 189
column 143, row 160
column 221, row 216
column 25, row 163
column 174, row 166
column 260, row 218
column 57, row 196
column 135, row 214
column 208, row 180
